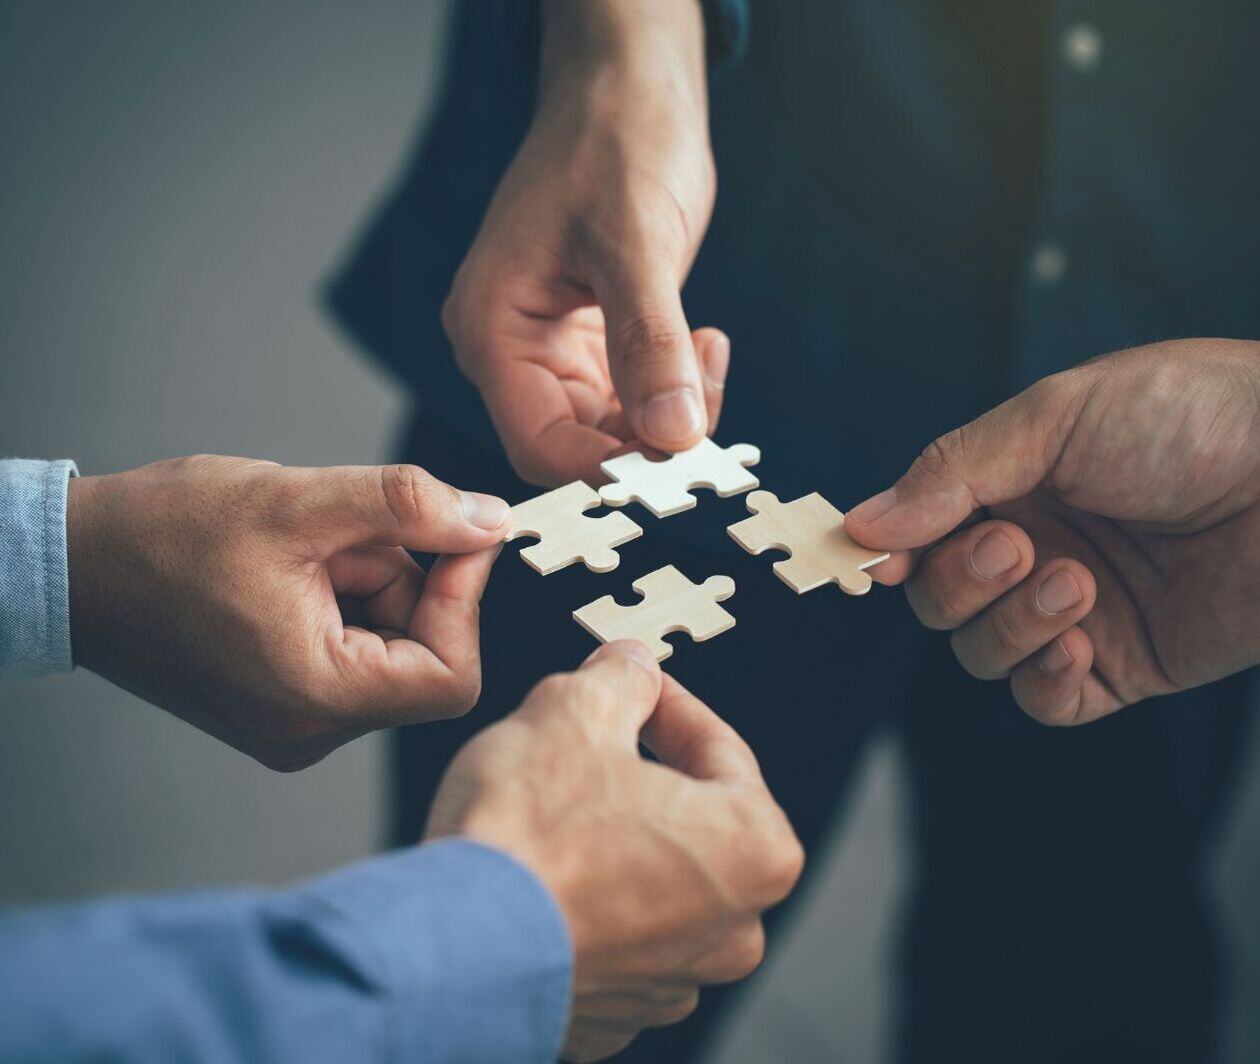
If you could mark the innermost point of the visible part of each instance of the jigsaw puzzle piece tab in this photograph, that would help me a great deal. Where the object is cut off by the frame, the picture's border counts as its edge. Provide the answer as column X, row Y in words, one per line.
column 565, row 534
column 812, row 531
column 671, row 603
column 663, row 487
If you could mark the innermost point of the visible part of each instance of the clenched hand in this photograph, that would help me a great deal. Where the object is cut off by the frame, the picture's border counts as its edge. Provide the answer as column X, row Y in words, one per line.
column 276, row 608
column 662, row 870
column 1117, row 550
column 566, row 313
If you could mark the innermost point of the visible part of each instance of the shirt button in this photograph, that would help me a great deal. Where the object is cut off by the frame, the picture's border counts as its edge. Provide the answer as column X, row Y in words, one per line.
column 1082, row 46
column 1049, row 263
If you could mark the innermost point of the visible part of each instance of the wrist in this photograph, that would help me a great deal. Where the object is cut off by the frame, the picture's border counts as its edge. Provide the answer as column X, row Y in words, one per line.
column 84, row 549
column 617, row 55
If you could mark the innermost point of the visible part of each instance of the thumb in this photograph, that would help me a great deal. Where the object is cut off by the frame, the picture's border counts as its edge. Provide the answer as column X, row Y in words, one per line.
column 397, row 505
column 1000, row 456
column 651, row 354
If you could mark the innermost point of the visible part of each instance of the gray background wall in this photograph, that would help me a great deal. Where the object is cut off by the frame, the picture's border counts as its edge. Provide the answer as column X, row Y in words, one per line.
column 175, row 180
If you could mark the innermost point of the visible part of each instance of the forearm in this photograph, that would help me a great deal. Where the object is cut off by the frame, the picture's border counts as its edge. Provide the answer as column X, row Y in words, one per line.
column 624, row 54
column 450, row 951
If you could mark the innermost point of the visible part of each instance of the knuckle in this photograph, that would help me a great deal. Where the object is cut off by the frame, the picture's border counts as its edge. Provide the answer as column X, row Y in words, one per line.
column 784, row 865
column 1006, row 633
column 456, row 694
column 937, row 598
column 936, row 461
column 648, row 341
column 551, row 690
column 1061, row 716
column 408, row 491
column 674, row 1010
column 745, row 954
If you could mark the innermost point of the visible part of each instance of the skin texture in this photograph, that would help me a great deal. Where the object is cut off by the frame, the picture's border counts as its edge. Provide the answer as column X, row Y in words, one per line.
column 566, row 312
column 1117, row 550
column 276, row 608
column 701, row 847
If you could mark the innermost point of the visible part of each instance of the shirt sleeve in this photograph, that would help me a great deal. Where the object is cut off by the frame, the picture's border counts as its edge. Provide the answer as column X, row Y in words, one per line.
column 34, row 576
column 448, row 952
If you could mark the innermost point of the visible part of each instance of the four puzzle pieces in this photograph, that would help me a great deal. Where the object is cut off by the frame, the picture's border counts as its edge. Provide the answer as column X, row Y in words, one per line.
column 813, row 531
column 671, row 603
column 663, row 486
column 565, row 535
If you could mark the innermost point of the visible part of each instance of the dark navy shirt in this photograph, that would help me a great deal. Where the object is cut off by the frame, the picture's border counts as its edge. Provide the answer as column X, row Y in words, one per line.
column 923, row 205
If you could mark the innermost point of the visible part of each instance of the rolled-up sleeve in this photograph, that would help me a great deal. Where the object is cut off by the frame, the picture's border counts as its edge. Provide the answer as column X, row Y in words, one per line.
column 34, row 575
column 449, row 952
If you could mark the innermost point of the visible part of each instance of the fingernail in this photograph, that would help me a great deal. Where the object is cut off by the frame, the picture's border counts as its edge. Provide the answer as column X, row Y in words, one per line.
column 673, row 416
column 1059, row 593
column 994, row 555
column 1055, row 658
column 875, row 507
column 484, row 511
column 628, row 648
column 716, row 362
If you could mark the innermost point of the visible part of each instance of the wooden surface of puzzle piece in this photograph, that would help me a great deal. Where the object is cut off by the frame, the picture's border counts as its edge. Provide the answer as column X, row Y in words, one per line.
column 663, row 486
column 565, row 534
column 671, row 603
column 812, row 530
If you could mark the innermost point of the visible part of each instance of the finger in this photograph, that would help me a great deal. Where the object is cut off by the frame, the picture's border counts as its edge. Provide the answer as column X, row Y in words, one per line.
column 400, row 505
column 614, row 690
column 433, row 670
column 535, row 419
column 387, row 580
column 1002, row 455
column 968, row 573
column 1056, row 686
column 714, row 350
column 651, row 354
column 688, row 736
column 1023, row 621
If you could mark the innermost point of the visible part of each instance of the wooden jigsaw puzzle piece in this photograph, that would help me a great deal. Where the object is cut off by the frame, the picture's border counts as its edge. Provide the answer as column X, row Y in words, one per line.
column 663, row 487
column 671, row 603
column 812, row 531
column 565, row 535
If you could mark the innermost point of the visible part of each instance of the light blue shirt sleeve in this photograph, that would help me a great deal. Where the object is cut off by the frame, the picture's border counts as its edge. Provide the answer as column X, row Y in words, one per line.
column 34, row 581
column 449, row 952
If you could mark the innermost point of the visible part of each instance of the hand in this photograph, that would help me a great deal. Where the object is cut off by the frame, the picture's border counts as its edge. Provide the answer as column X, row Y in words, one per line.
column 1121, row 554
column 276, row 608
column 662, row 870
column 566, row 313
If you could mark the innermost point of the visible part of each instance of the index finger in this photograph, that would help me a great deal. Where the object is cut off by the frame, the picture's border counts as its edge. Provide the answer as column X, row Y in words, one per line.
column 540, row 430
column 688, row 736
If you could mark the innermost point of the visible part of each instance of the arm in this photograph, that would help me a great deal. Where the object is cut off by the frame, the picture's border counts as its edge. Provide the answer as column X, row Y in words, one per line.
column 391, row 959
column 566, row 313
column 276, row 608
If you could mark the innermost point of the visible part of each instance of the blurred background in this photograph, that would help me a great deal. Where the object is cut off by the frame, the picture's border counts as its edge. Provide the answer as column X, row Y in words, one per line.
column 176, row 181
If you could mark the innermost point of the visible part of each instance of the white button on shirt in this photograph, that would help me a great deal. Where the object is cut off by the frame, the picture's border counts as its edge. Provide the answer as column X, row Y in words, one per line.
column 1049, row 263
column 1082, row 46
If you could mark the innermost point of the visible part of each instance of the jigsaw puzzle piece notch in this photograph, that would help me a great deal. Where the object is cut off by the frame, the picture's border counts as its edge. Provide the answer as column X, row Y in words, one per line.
column 664, row 487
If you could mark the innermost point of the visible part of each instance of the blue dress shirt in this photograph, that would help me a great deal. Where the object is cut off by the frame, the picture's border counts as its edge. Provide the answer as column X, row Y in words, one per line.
column 450, row 951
